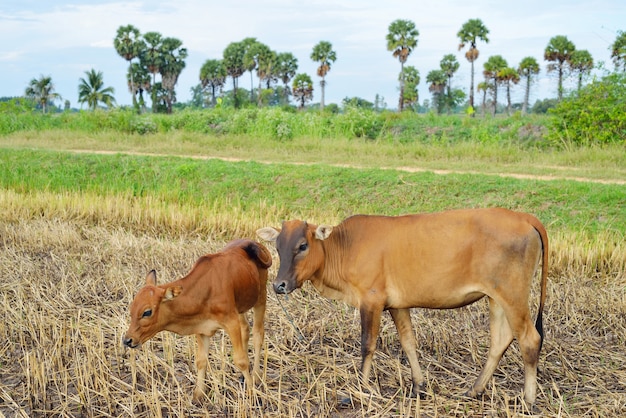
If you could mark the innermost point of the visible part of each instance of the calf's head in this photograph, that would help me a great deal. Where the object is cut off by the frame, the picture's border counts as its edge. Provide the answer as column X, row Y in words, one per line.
column 145, row 320
column 300, row 250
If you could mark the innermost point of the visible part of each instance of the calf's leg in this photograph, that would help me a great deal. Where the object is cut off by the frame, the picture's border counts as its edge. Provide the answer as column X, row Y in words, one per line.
column 233, row 326
column 202, row 359
column 258, row 334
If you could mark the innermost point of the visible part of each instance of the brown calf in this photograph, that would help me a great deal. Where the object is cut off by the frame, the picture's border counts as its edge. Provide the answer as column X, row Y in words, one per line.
column 440, row 261
column 215, row 294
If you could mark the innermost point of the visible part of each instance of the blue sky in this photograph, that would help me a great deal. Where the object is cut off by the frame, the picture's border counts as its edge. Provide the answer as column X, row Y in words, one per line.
column 63, row 39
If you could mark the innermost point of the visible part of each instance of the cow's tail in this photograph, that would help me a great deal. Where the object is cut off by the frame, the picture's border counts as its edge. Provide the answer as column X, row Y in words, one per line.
column 544, row 274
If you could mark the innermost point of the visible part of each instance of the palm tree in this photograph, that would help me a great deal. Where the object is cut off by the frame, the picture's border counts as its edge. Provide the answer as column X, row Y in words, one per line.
column 302, row 89
column 41, row 90
column 527, row 68
column 264, row 60
column 437, row 80
column 507, row 76
column 449, row 65
column 401, row 40
column 286, row 68
column 581, row 63
column 324, row 54
column 91, row 90
column 618, row 50
column 213, row 75
column 411, row 78
column 484, row 86
column 141, row 82
column 559, row 52
column 249, row 61
column 492, row 72
column 151, row 59
column 172, row 64
column 472, row 31
column 234, row 64
column 129, row 45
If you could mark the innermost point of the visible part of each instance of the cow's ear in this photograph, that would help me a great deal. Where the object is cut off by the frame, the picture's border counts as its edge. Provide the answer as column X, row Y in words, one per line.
column 323, row 231
column 151, row 278
column 268, row 233
column 172, row 292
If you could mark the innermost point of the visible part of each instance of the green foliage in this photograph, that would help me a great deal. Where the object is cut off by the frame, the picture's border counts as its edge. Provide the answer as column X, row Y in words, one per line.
column 355, row 120
column 359, row 123
column 563, row 205
column 596, row 115
column 143, row 126
column 543, row 106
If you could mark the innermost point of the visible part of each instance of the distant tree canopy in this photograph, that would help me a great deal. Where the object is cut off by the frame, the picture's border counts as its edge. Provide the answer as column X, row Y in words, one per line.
column 41, row 90
column 302, row 89
column 91, row 90
column 157, row 55
column 401, row 41
column 470, row 33
column 150, row 55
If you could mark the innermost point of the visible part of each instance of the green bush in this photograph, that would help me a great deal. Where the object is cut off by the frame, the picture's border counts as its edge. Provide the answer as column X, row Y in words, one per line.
column 596, row 115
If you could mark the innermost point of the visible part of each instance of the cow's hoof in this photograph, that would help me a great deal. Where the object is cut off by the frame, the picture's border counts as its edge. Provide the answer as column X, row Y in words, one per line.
column 419, row 390
column 471, row 395
column 344, row 403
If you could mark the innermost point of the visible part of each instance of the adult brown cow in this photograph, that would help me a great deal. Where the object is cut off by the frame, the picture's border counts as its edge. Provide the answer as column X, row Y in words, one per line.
column 215, row 294
column 440, row 260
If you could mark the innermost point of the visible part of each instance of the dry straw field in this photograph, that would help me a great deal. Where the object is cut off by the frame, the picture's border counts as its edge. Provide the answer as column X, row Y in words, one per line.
column 66, row 283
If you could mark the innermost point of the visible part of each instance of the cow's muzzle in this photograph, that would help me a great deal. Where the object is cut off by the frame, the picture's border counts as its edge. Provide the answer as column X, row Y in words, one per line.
column 280, row 288
column 283, row 287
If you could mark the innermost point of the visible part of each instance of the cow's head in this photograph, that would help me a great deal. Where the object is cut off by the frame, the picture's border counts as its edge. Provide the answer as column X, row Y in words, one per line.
column 145, row 320
column 299, row 246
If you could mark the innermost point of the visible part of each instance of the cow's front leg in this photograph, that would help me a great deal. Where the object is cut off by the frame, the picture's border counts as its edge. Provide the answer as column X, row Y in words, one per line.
column 370, row 326
column 402, row 320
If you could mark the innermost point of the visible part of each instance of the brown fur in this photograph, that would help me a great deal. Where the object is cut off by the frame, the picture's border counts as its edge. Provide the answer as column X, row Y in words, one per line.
column 440, row 261
column 215, row 294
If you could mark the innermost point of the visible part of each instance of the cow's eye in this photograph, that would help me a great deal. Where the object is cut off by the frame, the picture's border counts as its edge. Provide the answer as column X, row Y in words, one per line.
column 303, row 247
column 147, row 313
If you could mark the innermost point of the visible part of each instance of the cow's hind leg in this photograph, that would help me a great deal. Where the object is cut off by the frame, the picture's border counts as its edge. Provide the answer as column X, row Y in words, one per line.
column 530, row 345
column 402, row 319
column 258, row 334
column 501, row 338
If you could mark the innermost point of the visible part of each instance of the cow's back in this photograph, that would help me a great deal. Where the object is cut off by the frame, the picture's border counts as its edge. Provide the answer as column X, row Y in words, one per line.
column 417, row 259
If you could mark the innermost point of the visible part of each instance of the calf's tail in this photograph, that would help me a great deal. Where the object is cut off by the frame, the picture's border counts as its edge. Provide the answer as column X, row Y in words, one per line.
column 259, row 254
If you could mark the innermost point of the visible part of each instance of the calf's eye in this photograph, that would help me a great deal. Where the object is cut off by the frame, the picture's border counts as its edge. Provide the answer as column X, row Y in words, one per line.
column 147, row 313
column 303, row 247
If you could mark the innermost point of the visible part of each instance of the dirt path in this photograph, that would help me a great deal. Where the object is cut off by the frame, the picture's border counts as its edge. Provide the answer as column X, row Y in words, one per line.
column 403, row 168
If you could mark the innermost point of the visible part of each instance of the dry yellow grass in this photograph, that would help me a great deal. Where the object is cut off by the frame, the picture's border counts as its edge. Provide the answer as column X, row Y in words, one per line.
column 67, row 277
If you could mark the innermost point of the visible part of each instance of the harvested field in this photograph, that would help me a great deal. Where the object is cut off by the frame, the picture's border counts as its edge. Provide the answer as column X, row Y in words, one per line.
column 65, row 287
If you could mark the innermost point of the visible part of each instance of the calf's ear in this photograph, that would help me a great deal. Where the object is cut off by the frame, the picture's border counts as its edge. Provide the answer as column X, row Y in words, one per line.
column 151, row 278
column 172, row 292
column 268, row 233
column 323, row 231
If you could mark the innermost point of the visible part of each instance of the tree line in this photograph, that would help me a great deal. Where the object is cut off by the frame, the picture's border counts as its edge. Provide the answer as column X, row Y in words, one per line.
column 151, row 55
